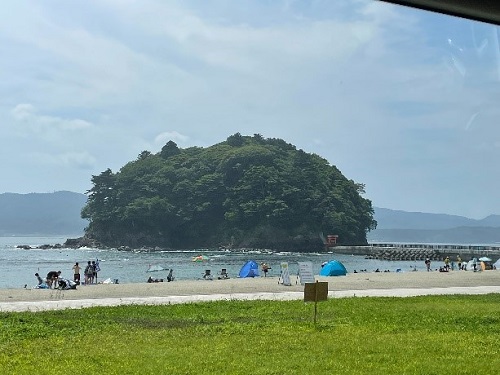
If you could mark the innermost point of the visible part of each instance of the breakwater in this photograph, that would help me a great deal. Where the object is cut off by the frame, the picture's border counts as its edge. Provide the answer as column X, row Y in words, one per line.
column 437, row 252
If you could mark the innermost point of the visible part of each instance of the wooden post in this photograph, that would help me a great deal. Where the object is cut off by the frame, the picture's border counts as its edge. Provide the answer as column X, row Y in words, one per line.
column 315, row 302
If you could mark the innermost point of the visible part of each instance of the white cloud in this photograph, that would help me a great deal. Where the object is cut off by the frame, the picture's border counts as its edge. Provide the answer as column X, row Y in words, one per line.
column 80, row 160
column 27, row 113
column 164, row 137
column 368, row 86
column 23, row 112
column 63, row 162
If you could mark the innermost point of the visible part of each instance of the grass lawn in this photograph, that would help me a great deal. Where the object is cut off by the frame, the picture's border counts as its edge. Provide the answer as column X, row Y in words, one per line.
column 420, row 335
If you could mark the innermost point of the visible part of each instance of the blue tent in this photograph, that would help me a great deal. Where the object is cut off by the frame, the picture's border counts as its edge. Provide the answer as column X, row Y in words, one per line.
column 333, row 268
column 249, row 269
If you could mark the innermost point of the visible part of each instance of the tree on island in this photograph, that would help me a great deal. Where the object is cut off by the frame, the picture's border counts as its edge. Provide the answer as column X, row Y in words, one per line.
column 244, row 192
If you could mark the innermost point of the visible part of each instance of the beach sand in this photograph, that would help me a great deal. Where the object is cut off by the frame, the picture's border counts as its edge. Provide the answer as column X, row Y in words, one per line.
column 359, row 284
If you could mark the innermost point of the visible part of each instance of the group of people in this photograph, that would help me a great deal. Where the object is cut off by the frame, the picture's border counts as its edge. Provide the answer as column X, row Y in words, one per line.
column 90, row 272
column 447, row 264
column 54, row 280
column 170, row 277
column 450, row 265
column 51, row 281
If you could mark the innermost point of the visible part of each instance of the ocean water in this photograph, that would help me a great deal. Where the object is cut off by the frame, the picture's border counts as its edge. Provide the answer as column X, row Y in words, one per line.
column 18, row 266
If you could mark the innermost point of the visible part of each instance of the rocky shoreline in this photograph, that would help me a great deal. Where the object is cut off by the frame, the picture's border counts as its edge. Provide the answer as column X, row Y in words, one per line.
column 70, row 243
column 77, row 243
column 369, row 252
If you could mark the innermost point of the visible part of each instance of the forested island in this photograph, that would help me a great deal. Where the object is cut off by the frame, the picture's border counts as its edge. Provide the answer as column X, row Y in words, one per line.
column 245, row 192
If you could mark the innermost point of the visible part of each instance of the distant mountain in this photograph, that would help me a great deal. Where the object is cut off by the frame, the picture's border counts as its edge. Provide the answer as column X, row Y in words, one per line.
column 395, row 219
column 42, row 214
column 403, row 226
column 459, row 235
column 491, row 221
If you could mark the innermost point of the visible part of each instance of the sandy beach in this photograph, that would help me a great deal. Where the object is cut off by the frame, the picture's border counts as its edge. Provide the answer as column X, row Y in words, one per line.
column 360, row 284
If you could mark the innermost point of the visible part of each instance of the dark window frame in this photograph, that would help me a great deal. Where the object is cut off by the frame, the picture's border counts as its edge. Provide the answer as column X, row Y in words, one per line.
column 478, row 10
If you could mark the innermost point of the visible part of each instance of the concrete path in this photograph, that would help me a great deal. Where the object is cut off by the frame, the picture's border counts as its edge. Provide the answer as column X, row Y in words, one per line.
column 61, row 304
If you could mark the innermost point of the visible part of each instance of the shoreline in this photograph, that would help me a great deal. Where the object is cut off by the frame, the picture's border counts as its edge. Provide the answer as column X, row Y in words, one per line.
column 359, row 284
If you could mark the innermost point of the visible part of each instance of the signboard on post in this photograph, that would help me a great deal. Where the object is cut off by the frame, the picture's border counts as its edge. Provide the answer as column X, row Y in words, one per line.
column 306, row 272
column 285, row 274
column 315, row 292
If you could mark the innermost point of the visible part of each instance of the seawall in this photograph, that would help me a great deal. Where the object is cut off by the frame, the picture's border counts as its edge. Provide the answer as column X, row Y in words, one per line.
column 419, row 251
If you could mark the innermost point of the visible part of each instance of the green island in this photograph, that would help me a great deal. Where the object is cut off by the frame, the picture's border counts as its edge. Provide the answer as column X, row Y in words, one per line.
column 417, row 335
column 245, row 192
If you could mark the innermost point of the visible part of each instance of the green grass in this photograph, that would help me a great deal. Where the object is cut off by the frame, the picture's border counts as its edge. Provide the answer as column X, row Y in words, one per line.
column 421, row 335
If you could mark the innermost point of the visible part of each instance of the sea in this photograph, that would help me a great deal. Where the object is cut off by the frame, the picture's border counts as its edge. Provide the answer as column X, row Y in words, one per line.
column 18, row 266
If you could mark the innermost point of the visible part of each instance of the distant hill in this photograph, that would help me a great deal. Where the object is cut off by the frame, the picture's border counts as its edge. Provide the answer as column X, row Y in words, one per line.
column 403, row 226
column 37, row 214
column 490, row 221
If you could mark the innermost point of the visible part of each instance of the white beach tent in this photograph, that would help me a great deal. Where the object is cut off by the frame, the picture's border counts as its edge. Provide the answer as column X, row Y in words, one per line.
column 496, row 265
column 470, row 265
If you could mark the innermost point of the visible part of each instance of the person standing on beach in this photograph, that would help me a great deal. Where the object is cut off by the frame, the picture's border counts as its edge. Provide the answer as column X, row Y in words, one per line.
column 428, row 264
column 95, row 269
column 265, row 268
column 447, row 263
column 76, row 273
column 89, row 273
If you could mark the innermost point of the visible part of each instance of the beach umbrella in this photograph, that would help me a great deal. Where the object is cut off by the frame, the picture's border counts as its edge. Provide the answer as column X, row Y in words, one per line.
column 485, row 259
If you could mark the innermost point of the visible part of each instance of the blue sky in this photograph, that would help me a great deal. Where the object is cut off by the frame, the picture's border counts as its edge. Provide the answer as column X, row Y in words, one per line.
column 403, row 101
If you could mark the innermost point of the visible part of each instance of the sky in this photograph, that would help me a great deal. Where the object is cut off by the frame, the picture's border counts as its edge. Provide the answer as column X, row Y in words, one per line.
column 403, row 101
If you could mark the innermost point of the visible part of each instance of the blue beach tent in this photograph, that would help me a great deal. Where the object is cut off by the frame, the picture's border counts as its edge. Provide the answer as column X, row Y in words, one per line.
column 333, row 268
column 249, row 269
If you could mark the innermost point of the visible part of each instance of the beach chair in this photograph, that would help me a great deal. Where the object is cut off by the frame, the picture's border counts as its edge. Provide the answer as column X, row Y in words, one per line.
column 208, row 275
column 223, row 274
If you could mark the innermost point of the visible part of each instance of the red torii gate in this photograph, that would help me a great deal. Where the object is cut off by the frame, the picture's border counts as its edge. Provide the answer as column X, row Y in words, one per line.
column 331, row 240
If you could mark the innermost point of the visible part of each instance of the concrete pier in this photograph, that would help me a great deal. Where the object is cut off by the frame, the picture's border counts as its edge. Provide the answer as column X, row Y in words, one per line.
column 438, row 252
